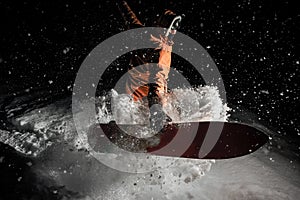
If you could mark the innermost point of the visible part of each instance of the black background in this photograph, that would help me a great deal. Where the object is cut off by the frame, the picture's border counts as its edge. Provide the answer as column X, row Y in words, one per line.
column 254, row 44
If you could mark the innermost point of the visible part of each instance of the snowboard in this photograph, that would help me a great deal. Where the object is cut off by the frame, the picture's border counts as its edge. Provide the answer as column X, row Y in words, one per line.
column 196, row 140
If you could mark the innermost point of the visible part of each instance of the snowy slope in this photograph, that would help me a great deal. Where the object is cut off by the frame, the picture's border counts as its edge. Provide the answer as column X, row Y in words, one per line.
column 44, row 130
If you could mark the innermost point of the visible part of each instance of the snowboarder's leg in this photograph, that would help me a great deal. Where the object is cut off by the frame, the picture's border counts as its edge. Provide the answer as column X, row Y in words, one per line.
column 156, row 92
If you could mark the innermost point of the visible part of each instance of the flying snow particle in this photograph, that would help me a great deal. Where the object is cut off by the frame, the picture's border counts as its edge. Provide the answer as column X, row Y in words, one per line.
column 264, row 91
column 66, row 50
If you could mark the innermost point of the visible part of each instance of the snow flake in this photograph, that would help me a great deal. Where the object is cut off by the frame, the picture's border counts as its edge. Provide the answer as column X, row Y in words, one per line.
column 66, row 50
column 264, row 91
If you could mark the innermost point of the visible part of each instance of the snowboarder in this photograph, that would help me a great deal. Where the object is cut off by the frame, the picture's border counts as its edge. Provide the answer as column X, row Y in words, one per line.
column 147, row 81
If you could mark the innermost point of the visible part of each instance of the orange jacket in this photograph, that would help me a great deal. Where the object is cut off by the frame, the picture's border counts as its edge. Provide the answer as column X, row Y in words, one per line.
column 142, row 73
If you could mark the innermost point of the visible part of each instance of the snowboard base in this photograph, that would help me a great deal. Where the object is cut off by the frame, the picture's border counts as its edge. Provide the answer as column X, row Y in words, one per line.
column 198, row 140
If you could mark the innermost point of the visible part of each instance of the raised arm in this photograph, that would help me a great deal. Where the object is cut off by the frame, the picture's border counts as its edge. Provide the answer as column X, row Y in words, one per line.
column 128, row 15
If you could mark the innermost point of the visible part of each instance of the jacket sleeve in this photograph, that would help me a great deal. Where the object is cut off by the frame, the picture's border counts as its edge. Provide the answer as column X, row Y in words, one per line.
column 128, row 15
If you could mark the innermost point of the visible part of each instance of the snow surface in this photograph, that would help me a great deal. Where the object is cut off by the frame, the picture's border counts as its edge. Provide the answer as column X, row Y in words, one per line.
column 250, row 177
column 46, row 131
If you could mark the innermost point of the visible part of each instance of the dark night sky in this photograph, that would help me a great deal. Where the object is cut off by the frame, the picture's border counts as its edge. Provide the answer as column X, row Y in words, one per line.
column 253, row 43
